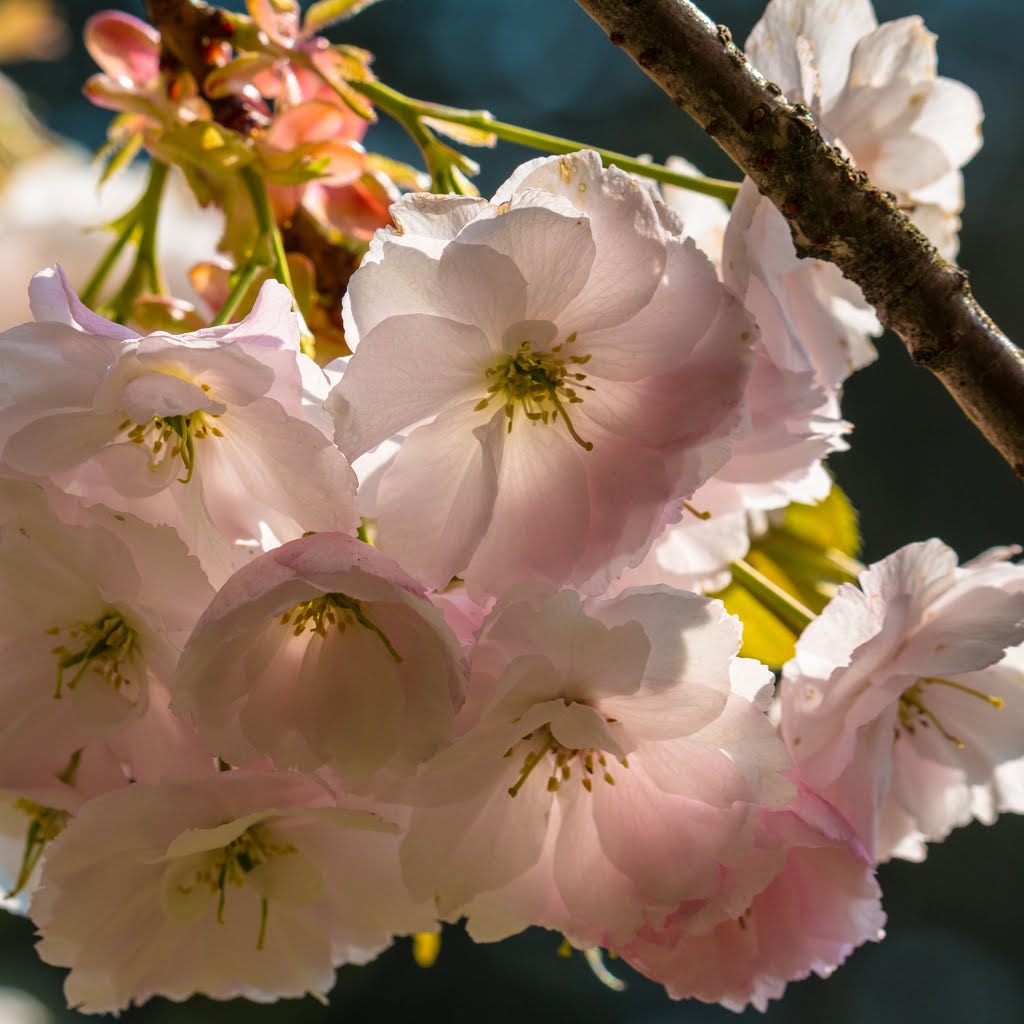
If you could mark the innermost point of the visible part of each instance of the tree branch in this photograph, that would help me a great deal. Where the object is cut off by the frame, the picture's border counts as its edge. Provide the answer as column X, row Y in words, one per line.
column 833, row 210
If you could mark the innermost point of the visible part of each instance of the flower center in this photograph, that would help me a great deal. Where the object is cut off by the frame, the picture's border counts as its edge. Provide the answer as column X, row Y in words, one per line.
column 914, row 712
column 541, row 383
column 102, row 646
column 173, row 437
column 232, row 863
column 333, row 610
column 541, row 746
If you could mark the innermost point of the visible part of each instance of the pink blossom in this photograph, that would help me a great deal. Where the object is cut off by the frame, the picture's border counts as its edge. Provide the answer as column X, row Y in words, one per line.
column 32, row 816
column 899, row 706
column 177, row 428
column 96, row 606
column 322, row 651
column 128, row 52
column 793, row 420
column 875, row 89
column 611, row 762
column 811, row 914
column 240, row 884
column 564, row 341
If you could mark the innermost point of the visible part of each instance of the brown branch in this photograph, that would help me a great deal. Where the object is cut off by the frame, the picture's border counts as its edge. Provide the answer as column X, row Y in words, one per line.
column 833, row 210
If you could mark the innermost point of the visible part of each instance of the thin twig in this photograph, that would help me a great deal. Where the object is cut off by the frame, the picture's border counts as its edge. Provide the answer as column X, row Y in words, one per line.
column 833, row 210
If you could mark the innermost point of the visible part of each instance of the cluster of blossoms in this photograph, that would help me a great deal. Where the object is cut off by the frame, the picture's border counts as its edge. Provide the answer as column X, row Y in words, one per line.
column 304, row 658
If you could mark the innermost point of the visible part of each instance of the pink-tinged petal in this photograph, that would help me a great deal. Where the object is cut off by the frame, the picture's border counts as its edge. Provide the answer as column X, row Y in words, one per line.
column 626, row 228
column 125, row 47
column 593, row 889
column 628, row 488
column 426, row 222
column 832, row 27
column 527, row 538
column 141, row 836
column 312, row 121
column 580, row 726
column 307, row 696
column 704, row 218
column 530, row 899
column 809, row 316
column 687, row 633
column 467, row 285
column 429, row 365
column 974, row 631
column 809, row 918
column 443, row 487
column 49, row 365
column 53, row 298
column 656, row 340
column 549, row 243
column 903, row 725
column 684, row 841
column 454, row 852
column 58, row 442
column 295, row 478
column 951, row 116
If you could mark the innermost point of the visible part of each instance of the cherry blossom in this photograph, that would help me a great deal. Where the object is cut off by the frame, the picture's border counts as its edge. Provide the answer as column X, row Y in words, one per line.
column 813, row 912
column 793, row 421
column 320, row 651
column 563, row 340
column 243, row 883
column 873, row 90
column 85, row 631
column 899, row 706
column 176, row 428
column 612, row 760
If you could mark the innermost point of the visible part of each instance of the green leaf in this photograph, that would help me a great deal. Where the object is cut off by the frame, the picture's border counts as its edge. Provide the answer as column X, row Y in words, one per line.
column 832, row 523
column 403, row 175
column 328, row 12
column 764, row 636
column 808, row 551
column 117, row 154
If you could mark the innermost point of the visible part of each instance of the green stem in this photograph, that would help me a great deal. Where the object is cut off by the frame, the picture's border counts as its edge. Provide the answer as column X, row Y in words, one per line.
column 269, row 230
column 783, row 546
column 409, row 111
column 139, row 223
column 783, row 606
column 147, row 254
column 243, row 282
column 268, row 225
column 102, row 271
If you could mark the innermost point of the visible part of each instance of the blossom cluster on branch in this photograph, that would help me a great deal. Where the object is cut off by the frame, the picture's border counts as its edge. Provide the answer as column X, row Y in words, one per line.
column 304, row 654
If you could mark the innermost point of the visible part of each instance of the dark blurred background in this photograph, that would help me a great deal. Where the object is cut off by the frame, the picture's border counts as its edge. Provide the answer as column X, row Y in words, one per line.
column 917, row 469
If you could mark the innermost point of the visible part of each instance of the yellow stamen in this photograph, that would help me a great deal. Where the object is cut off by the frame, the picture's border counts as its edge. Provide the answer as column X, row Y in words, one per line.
column 333, row 610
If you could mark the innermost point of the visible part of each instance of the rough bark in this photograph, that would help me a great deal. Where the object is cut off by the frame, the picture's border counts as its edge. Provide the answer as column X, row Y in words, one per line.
column 833, row 210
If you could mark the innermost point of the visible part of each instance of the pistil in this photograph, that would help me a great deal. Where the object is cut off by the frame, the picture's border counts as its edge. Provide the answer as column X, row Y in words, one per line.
column 333, row 610
column 173, row 437
column 543, row 747
column 103, row 645
column 914, row 712
column 541, row 383
column 231, row 864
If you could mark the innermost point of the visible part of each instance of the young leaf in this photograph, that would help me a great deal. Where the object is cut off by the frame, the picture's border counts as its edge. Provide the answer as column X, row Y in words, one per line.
column 328, row 12
column 462, row 133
